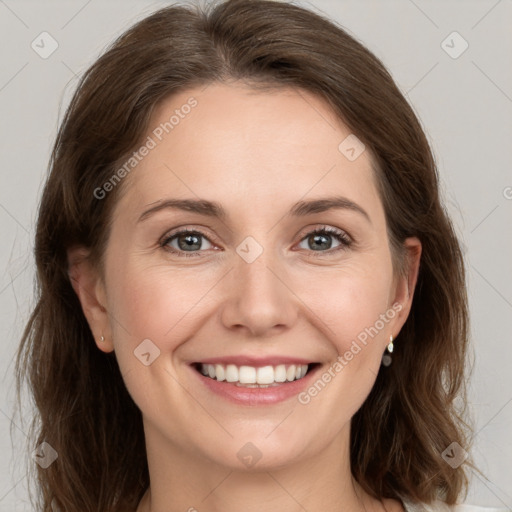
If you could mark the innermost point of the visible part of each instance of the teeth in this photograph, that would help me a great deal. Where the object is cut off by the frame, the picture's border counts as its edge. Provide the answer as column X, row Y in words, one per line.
column 249, row 376
column 220, row 373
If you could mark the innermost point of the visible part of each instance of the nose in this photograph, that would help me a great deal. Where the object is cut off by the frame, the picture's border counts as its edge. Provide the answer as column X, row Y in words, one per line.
column 259, row 301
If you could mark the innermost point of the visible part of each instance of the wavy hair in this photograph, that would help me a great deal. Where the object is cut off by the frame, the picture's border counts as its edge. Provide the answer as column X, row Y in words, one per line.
column 83, row 409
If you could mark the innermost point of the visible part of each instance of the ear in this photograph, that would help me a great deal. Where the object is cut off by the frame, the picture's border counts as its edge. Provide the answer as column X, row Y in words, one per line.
column 90, row 290
column 406, row 284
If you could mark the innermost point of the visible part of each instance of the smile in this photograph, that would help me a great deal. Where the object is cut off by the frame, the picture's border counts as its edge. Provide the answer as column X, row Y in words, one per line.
column 263, row 384
column 250, row 376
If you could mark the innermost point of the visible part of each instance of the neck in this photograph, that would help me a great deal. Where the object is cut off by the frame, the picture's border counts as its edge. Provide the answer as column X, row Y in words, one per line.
column 185, row 481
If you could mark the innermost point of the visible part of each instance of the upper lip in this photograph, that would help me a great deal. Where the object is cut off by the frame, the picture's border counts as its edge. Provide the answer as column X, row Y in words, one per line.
column 254, row 361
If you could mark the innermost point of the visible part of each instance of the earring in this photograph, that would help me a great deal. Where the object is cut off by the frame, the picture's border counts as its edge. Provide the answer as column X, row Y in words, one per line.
column 102, row 338
column 390, row 346
column 386, row 358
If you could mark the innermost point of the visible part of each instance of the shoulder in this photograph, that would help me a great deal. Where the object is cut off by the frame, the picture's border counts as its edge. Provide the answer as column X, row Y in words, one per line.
column 441, row 506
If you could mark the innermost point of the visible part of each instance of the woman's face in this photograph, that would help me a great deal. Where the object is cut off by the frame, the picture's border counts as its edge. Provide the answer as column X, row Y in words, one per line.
column 252, row 287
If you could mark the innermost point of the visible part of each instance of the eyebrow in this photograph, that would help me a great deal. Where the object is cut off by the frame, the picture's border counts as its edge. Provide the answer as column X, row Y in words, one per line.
column 214, row 209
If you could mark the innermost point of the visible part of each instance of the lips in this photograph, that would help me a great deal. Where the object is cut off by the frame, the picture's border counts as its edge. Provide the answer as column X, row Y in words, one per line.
column 258, row 385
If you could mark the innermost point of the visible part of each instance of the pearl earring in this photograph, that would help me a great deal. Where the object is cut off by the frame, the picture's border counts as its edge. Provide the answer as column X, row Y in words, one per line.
column 102, row 339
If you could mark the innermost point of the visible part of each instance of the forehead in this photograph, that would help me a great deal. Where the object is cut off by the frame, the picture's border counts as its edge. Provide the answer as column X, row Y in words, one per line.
column 234, row 140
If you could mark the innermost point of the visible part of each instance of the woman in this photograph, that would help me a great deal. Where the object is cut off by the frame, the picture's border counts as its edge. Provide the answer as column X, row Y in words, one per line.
column 250, row 294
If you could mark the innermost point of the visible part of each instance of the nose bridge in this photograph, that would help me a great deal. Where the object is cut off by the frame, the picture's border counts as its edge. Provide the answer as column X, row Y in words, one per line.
column 254, row 271
column 258, row 298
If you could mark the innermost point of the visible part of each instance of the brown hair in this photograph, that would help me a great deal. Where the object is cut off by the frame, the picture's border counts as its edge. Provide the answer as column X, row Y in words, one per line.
column 84, row 410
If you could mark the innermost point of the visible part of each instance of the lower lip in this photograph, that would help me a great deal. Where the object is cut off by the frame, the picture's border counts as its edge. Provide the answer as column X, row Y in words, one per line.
column 257, row 396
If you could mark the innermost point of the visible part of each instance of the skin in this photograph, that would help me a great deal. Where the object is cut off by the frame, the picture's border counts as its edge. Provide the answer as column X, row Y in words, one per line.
column 256, row 153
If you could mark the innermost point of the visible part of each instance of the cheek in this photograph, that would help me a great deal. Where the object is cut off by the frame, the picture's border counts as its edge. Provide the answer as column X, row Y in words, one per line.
column 356, row 317
column 157, row 304
column 349, row 302
column 154, row 303
column 151, row 314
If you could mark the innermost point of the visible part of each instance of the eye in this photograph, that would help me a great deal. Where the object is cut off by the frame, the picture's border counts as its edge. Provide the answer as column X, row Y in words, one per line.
column 189, row 242
column 185, row 241
column 320, row 240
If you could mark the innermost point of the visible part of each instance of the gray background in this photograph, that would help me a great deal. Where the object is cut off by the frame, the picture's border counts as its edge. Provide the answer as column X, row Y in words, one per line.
column 464, row 103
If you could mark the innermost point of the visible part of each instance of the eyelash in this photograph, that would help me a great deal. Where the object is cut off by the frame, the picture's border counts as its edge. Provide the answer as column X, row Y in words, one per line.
column 341, row 236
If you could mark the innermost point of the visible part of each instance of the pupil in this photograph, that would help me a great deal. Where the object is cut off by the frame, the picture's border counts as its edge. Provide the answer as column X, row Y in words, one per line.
column 318, row 239
column 190, row 241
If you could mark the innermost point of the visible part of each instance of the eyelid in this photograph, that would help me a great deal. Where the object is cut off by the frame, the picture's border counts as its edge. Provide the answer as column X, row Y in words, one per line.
column 323, row 227
column 187, row 229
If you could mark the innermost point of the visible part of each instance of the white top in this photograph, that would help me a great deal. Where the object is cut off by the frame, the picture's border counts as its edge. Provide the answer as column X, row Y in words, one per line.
column 441, row 506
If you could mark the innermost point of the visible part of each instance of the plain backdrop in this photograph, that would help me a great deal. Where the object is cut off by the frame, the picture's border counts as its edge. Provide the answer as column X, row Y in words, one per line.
column 464, row 101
